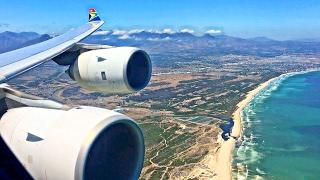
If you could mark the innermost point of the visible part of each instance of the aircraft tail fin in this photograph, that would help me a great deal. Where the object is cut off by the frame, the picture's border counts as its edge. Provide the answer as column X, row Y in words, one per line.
column 93, row 15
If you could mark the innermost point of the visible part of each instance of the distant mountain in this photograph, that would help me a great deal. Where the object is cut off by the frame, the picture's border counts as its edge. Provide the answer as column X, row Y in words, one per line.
column 261, row 39
column 11, row 40
column 309, row 40
column 157, row 42
column 39, row 39
column 161, row 41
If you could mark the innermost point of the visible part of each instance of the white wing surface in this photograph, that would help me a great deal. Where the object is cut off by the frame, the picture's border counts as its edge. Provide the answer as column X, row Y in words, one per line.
column 18, row 61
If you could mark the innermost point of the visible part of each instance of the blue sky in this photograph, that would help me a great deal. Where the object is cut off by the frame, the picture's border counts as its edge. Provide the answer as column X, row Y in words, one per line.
column 279, row 19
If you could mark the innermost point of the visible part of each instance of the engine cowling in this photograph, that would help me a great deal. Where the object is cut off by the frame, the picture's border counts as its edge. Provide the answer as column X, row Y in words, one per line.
column 81, row 143
column 119, row 70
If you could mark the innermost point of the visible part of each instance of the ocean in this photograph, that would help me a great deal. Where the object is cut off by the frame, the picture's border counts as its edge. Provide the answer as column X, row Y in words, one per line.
column 281, row 138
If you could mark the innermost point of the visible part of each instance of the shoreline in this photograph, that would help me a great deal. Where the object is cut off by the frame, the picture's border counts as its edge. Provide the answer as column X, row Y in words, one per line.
column 237, row 129
column 224, row 157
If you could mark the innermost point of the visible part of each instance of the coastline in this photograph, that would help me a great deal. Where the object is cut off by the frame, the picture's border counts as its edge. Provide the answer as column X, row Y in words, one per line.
column 224, row 157
column 237, row 130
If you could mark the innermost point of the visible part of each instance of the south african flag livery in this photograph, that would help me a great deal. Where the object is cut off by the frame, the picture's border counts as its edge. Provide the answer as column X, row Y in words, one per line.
column 93, row 15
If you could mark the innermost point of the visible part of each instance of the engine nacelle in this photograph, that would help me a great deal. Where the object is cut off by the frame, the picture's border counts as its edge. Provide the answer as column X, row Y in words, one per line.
column 80, row 143
column 119, row 70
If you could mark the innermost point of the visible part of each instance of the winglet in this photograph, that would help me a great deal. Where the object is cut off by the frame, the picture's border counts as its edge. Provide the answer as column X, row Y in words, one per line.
column 93, row 15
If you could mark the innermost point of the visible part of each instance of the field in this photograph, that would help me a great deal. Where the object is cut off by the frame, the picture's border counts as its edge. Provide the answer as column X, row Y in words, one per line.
column 181, row 109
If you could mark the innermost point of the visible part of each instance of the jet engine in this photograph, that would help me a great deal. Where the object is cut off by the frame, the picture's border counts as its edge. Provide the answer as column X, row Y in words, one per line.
column 79, row 143
column 119, row 70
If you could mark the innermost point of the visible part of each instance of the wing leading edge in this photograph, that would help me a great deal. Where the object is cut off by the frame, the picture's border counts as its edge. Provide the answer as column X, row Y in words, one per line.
column 18, row 61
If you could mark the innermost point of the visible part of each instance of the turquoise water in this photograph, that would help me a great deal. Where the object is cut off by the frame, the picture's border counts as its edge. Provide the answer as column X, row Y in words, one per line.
column 282, row 131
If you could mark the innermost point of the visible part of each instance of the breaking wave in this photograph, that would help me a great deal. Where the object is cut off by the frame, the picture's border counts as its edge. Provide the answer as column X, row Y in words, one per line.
column 249, row 152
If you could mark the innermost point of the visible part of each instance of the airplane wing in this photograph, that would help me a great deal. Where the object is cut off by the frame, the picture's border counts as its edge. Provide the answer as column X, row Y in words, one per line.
column 45, row 139
column 18, row 61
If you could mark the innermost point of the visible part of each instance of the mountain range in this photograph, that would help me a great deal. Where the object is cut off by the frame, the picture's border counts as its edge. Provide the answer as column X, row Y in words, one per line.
column 161, row 41
column 12, row 40
column 167, row 41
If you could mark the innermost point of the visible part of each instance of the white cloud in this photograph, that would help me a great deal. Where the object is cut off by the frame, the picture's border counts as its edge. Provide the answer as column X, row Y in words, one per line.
column 100, row 33
column 214, row 31
column 119, row 32
column 125, row 36
column 129, row 33
column 168, row 31
column 157, row 31
column 191, row 31
column 154, row 31
column 134, row 31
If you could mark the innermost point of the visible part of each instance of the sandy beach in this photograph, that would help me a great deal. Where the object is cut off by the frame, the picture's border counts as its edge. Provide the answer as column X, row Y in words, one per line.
column 224, row 157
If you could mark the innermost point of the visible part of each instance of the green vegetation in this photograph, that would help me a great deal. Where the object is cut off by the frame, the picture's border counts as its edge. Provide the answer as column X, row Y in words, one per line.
column 151, row 134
